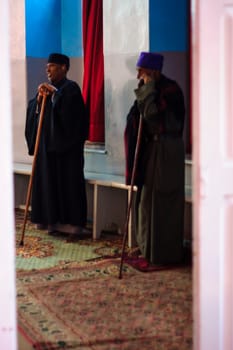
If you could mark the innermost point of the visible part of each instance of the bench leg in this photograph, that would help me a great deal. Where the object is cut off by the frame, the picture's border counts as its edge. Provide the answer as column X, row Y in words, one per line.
column 96, row 232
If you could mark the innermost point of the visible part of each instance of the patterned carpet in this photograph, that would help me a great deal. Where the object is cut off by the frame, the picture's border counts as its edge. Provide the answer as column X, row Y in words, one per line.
column 69, row 296
column 43, row 251
column 86, row 306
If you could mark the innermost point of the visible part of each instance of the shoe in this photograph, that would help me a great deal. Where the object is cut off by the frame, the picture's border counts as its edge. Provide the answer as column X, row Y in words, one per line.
column 69, row 229
column 41, row 227
column 51, row 229
column 134, row 252
column 55, row 233
column 73, row 238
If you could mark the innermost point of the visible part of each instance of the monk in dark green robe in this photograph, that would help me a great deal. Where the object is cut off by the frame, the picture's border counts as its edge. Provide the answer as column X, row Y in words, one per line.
column 160, row 170
column 58, row 194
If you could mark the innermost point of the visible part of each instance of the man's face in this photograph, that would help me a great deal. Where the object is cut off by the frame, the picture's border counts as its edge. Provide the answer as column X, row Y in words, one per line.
column 140, row 73
column 144, row 75
column 55, row 72
column 147, row 74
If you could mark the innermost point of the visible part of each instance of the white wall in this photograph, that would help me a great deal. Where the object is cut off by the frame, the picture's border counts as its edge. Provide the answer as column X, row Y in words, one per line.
column 18, row 78
column 126, row 33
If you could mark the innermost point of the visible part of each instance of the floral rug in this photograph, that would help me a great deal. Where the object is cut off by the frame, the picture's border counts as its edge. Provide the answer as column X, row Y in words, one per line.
column 41, row 250
column 86, row 306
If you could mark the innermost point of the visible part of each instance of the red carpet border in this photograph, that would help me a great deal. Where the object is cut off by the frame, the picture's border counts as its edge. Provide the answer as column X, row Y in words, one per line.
column 86, row 306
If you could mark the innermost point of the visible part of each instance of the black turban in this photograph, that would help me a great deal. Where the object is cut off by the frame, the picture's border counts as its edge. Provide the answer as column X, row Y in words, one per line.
column 59, row 58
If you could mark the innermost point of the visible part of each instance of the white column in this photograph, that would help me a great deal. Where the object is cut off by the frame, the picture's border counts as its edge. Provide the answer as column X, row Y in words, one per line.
column 17, row 44
column 7, row 235
column 212, row 88
column 125, row 35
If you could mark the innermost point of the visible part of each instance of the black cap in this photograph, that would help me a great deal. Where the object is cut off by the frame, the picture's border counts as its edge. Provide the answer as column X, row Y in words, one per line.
column 59, row 58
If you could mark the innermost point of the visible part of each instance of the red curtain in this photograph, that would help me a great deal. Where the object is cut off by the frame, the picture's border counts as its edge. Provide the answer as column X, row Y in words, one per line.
column 93, row 79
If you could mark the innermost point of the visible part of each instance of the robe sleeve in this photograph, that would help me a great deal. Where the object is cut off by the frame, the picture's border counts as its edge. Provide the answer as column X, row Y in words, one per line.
column 31, row 125
column 130, row 142
column 162, row 106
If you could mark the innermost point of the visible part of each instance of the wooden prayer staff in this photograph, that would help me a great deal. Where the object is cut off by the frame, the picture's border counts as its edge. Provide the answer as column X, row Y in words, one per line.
column 126, row 227
column 29, row 191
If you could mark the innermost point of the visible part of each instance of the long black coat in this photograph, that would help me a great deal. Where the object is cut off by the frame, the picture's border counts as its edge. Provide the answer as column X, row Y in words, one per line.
column 160, row 196
column 58, row 192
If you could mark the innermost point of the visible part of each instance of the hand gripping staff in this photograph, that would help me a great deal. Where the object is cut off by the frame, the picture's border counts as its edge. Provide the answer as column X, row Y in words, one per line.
column 29, row 191
column 126, row 227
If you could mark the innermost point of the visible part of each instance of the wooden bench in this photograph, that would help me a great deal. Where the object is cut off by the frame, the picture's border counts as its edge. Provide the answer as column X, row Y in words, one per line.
column 108, row 198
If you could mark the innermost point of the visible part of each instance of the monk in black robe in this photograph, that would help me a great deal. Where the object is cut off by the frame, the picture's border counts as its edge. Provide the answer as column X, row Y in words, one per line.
column 58, row 193
column 160, row 172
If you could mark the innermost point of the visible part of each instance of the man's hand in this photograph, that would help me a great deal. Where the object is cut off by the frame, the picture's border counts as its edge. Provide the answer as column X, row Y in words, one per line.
column 147, row 77
column 45, row 89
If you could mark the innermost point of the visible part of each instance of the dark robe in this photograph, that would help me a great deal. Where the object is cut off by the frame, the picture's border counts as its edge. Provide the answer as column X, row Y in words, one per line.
column 159, row 202
column 58, row 191
column 130, row 141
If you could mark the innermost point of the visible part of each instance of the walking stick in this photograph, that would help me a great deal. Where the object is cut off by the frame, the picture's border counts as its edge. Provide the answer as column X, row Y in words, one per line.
column 29, row 191
column 126, row 227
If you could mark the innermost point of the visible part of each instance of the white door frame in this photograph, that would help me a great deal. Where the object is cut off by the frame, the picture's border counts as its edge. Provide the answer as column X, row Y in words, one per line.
column 212, row 82
column 8, row 327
